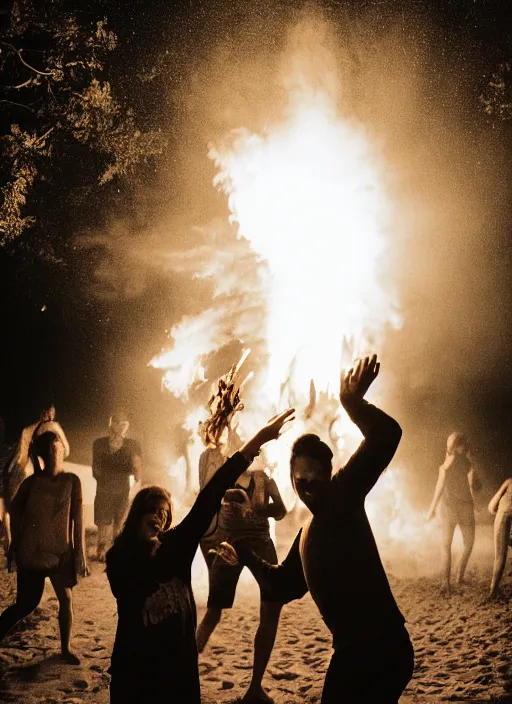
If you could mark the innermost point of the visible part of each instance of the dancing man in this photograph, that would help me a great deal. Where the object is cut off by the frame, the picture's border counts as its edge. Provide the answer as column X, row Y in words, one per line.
column 335, row 557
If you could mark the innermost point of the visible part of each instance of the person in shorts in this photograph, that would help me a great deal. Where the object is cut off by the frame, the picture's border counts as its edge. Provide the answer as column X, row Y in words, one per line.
column 245, row 513
column 115, row 459
column 47, row 538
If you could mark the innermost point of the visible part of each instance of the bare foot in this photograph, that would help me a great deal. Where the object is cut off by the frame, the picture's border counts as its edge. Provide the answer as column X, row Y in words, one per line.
column 256, row 696
column 70, row 658
column 445, row 590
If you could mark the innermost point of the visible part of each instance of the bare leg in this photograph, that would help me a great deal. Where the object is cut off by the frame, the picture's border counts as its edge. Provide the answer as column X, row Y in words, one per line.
column 468, row 539
column 446, row 547
column 206, row 627
column 5, row 527
column 120, row 512
column 103, row 531
column 263, row 644
column 65, row 597
column 501, row 537
column 30, row 587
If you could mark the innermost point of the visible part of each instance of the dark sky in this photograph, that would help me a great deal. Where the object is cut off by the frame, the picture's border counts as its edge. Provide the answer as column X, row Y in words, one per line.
column 88, row 353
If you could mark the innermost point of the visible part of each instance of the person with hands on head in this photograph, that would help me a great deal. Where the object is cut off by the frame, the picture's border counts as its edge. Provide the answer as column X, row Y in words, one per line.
column 501, row 507
column 455, row 490
column 244, row 513
column 149, row 570
column 336, row 559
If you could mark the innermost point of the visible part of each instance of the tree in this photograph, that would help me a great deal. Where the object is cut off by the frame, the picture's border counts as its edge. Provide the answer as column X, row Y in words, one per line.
column 497, row 96
column 61, row 110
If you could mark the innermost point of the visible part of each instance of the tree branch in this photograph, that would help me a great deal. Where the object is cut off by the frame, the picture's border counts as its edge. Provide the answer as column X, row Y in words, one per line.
column 20, row 105
column 18, row 51
column 21, row 85
column 43, row 136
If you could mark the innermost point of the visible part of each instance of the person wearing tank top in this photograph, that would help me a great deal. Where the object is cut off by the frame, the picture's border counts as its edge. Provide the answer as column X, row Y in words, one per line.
column 456, row 485
column 244, row 513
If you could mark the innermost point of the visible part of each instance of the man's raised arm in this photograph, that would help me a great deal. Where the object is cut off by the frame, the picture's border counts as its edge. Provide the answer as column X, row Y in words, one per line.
column 381, row 432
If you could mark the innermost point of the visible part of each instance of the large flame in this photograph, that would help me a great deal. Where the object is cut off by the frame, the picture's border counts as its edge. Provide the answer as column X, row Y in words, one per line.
column 308, row 196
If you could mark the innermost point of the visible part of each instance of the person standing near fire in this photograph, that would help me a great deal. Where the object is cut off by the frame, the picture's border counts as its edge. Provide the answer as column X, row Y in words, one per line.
column 244, row 513
column 455, row 490
column 115, row 458
column 47, row 538
column 501, row 507
column 335, row 557
column 18, row 466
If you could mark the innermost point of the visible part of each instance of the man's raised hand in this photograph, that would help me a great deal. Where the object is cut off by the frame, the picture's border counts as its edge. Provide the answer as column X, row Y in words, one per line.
column 356, row 381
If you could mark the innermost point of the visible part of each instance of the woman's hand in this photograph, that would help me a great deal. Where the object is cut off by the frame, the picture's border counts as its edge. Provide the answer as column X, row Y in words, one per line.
column 241, row 500
column 270, row 431
column 227, row 553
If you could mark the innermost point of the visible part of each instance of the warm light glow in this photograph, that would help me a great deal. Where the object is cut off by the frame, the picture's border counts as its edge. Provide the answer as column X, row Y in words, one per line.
column 308, row 194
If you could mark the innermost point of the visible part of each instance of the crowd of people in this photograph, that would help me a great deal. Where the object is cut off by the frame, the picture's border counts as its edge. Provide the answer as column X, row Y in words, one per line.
column 148, row 559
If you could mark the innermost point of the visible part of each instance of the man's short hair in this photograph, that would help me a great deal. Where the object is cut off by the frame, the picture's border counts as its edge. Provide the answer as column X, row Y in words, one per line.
column 310, row 445
column 120, row 416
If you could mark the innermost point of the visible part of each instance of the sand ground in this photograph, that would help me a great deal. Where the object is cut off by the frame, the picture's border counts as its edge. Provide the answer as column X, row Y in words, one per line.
column 463, row 646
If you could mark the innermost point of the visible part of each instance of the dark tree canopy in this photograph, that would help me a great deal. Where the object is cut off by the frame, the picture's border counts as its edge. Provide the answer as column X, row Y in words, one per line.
column 61, row 110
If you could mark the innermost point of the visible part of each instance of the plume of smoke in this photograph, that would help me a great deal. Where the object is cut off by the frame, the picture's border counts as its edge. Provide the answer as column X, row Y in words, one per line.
column 413, row 90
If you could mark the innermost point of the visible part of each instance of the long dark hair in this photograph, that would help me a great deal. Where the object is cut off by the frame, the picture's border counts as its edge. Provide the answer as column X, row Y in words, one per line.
column 40, row 447
column 140, row 504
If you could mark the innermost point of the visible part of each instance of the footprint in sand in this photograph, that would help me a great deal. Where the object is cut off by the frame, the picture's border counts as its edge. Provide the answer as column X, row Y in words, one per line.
column 288, row 675
column 226, row 684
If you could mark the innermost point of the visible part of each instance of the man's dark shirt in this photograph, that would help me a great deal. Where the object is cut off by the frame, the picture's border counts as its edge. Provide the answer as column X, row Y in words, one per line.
column 112, row 470
column 335, row 556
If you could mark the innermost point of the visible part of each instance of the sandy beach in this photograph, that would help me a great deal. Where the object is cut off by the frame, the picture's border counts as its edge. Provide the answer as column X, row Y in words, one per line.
column 462, row 643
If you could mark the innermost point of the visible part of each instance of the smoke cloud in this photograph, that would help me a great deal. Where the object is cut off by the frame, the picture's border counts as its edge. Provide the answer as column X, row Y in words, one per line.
column 415, row 93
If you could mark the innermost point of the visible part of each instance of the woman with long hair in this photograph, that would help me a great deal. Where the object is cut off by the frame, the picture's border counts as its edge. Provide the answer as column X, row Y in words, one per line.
column 149, row 569
column 47, row 538
column 456, row 485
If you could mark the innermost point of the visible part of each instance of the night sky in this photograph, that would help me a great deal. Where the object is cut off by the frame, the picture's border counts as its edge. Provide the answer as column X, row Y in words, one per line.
column 85, row 342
